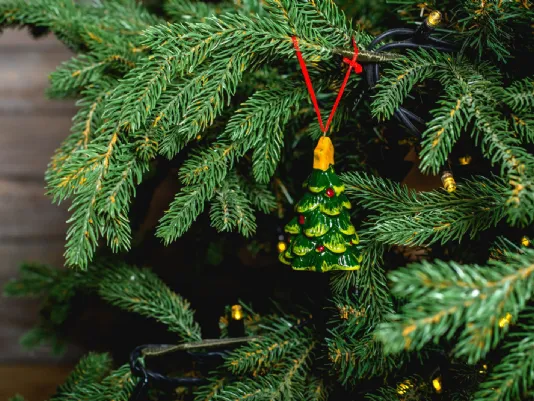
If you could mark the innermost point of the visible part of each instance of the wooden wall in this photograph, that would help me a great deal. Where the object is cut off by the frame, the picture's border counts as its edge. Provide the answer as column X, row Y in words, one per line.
column 31, row 228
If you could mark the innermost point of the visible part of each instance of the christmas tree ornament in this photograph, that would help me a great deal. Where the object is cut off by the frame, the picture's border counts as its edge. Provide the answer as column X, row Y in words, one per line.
column 322, row 235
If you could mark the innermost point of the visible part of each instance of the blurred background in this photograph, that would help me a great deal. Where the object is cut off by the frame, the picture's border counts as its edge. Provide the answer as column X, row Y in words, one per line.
column 31, row 228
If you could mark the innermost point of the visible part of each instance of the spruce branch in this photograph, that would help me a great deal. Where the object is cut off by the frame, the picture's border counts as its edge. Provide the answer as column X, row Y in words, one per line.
column 401, row 77
column 316, row 390
column 409, row 218
column 285, row 382
column 444, row 297
column 231, row 208
column 524, row 126
column 520, row 96
column 118, row 385
column 91, row 369
column 512, row 378
column 141, row 291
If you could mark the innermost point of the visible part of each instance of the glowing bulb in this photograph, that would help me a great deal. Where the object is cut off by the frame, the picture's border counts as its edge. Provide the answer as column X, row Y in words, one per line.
column 448, row 182
column 282, row 246
column 465, row 160
column 505, row 321
column 237, row 312
column 404, row 387
column 434, row 18
column 437, row 384
column 525, row 241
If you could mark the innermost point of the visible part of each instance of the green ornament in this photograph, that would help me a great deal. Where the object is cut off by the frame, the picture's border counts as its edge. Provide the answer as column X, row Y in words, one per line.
column 322, row 237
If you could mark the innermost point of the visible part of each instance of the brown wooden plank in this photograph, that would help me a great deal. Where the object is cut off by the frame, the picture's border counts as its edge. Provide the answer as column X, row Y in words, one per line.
column 21, row 38
column 25, row 79
column 27, row 144
column 17, row 314
column 34, row 382
column 26, row 213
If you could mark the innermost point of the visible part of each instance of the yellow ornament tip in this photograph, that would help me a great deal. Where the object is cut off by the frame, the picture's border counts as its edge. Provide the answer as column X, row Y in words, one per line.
column 323, row 155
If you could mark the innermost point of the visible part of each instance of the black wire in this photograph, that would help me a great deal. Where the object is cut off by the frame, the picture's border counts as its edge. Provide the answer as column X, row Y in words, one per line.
column 416, row 39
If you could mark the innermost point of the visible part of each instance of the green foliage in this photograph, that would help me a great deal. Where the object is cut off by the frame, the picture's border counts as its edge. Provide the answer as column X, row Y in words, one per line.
column 446, row 297
column 117, row 385
column 92, row 368
column 130, row 288
column 511, row 379
column 141, row 291
column 405, row 217
column 231, row 208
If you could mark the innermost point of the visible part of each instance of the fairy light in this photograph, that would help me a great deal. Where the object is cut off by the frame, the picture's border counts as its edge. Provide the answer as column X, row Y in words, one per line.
column 282, row 246
column 437, row 384
column 525, row 241
column 505, row 321
column 237, row 312
column 404, row 387
column 448, row 181
column 484, row 369
column 434, row 18
column 465, row 160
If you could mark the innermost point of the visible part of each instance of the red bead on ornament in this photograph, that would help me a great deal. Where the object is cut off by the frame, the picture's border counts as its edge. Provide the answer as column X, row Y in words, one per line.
column 320, row 248
column 302, row 219
column 330, row 193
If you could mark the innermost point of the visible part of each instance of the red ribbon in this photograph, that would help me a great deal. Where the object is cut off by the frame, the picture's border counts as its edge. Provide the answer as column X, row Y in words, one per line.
column 352, row 64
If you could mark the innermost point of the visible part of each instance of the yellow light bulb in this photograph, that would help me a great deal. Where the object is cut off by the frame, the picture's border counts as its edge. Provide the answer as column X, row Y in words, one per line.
column 282, row 246
column 237, row 312
column 404, row 387
column 505, row 321
column 448, row 181
column 465, row 160
column 434, row 18
column 525, row 241
column 437, row 384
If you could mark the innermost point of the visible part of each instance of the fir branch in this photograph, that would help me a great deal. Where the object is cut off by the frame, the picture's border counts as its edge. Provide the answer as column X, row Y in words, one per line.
column 184, row 210
column 357, row 358
column 76, row 73
column 401, row 77
column 260, row 122
column 316, row 390
column 193, row 11
column 118, row 386
column 259, row 195
column 209, row 391
column 512, row 378
column 445, row 127
column 524, row 126
column 266, row 352
column 216, row 91
column 91, row 369
column 445, row 297
column 286, row 382
column 231, row 209
column 141, row 291
column 520, row 96
column 409, row 218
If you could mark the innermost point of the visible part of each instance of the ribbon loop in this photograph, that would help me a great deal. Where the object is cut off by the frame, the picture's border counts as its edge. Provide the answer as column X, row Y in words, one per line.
column 352, row 65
